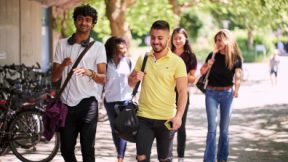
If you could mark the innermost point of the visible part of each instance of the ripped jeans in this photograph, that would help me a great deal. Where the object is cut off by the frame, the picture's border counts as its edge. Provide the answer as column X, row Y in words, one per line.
column 149, row 129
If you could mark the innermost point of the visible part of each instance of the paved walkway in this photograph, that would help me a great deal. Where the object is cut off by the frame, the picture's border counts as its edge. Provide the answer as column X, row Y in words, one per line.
column 258, row 132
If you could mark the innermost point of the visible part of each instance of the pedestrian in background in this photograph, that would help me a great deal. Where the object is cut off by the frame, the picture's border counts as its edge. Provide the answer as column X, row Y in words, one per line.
column 180, row 46
column 116, row 90
column 274, row 66
column 158, row 115
column 225, row 68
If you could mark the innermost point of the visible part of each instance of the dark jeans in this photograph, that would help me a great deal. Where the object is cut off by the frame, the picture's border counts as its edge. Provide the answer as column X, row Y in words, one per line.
column 149, row 129
column 119, row 143
column 181, row 133
column 82, row 119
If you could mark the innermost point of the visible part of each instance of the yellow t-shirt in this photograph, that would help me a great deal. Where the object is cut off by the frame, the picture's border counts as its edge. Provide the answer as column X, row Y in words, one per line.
column 157, row 96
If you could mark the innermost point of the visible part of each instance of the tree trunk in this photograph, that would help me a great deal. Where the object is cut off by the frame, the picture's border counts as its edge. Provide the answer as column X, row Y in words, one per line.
column 175, row 8
column 250, row 39
column 179, row 9
column 116, row 12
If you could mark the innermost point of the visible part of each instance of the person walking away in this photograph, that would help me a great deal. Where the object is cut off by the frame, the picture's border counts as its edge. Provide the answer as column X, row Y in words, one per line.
column 274, row 66
column 180, row 46
column 225, row 67
column 84, row 88
column 158, row 115
column 117, row 91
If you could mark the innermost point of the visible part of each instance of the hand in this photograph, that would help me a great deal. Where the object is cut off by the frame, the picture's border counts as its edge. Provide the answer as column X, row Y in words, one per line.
column 176, row 123
column 139, row 75
column 82, row 71
column 66, row 62
column 235, row 94
column 210, row 62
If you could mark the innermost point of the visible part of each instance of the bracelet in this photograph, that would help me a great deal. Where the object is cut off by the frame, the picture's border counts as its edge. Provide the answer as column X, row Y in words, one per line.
column 92, row 74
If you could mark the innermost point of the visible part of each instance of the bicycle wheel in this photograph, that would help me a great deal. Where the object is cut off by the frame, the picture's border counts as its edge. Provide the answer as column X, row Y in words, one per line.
column 26, row 139
column 3, row 139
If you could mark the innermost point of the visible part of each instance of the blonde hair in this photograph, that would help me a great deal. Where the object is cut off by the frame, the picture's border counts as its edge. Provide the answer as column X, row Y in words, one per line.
column 232, row 50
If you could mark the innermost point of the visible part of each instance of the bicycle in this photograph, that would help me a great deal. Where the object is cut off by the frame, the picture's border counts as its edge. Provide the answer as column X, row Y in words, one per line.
column 22, row 132
column 21, row 125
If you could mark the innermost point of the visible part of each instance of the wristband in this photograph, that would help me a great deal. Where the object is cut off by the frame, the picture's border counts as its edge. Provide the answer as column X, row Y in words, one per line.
column 92, row 74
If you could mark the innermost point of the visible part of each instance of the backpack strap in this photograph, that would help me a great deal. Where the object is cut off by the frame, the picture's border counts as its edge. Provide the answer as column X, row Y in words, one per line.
column 142, row 69
column 128, row 60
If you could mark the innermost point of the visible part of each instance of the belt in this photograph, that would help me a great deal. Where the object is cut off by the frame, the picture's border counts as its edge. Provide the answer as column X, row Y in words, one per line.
column 219, row 88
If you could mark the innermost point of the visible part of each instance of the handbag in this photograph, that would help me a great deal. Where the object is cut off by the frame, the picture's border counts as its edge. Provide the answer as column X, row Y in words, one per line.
column 55, row 111
column 202, row 83
column 127, row 123
column 203, row 80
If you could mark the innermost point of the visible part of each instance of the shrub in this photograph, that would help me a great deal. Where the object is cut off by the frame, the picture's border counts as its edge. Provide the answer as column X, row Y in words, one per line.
column 250, row 55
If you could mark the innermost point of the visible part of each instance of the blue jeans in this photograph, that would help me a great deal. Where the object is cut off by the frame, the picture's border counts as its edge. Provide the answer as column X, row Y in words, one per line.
column 119, row 143
column 215, row 98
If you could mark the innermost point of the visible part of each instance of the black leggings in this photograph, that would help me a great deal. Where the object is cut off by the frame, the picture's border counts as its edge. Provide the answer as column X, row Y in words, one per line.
column 181, row 132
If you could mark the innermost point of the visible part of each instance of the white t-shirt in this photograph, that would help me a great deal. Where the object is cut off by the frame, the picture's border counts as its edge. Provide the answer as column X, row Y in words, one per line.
column 80, row 87
column 116, row 87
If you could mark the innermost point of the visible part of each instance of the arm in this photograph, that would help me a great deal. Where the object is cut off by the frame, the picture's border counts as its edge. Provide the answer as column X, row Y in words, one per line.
column 181, row 86
column 58, row 69
column 205, row 67
column 98, row 77
column 191, row 76
column 134, row 77
column 237, row 78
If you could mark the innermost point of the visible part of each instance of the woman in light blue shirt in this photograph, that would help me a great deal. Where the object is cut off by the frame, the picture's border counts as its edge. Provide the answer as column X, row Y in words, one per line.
column 117, row 91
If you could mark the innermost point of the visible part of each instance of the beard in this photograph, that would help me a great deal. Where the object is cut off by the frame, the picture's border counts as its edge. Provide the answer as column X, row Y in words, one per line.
column 83, row 29
column 158, row 48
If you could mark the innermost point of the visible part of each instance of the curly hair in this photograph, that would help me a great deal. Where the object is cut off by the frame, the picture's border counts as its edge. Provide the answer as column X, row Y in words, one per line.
column 85, row 10
column 111, row 46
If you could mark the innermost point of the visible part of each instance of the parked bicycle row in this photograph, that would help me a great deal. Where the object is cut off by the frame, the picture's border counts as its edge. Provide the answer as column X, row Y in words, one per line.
column 25, row 90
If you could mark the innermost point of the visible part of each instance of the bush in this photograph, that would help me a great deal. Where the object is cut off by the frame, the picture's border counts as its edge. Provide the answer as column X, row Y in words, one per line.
column 191, row 23
column 251, row 55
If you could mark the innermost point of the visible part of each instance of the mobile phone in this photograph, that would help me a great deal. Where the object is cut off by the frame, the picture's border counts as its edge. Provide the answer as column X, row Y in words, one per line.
column 168, row 124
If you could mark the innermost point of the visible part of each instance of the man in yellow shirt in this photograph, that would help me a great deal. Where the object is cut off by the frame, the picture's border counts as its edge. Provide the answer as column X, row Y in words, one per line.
column 163, row 72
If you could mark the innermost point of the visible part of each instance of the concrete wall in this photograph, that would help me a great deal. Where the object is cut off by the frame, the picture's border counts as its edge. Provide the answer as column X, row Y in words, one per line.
column 20, row 32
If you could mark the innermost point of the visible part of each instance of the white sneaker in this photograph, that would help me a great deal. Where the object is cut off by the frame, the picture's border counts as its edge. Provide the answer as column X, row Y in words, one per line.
column 180, row 159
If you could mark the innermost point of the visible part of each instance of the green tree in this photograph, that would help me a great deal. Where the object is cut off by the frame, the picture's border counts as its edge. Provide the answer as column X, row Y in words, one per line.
column 191, row 22
column 252, row 15
column 144, row 12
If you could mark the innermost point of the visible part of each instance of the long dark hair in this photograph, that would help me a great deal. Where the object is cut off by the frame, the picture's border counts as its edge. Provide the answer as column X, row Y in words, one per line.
column 111, row 46
column 189, row 57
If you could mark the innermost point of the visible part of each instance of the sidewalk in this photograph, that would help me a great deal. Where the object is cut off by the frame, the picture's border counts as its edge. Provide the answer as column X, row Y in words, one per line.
column 258, row 131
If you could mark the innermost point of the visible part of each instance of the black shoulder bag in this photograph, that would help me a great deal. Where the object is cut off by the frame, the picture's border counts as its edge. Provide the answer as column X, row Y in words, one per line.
column 126, row 123
column 203, row 80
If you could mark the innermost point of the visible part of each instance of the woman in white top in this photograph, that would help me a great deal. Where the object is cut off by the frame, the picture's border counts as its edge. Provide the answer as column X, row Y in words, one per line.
column 117, row 90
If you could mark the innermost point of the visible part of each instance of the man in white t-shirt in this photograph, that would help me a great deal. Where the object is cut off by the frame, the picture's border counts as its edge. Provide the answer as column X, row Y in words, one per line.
column 83, row 90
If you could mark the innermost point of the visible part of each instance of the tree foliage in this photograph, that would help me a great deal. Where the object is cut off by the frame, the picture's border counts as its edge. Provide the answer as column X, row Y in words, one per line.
column 144, row 12
column 256, row 14
column 192, row 23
